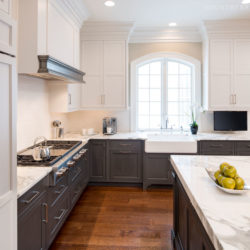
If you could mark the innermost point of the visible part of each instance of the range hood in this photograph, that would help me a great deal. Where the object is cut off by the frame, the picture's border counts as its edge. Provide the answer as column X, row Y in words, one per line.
column 53, row 69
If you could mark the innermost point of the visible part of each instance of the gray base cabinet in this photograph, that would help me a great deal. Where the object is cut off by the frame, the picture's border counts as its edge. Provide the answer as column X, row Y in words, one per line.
column 98, row 160
column 224, row 147
column 188, row 231
column 43, row 209
column 125, row 166
column 32, row 226
column 116, row 161
column 156, row 170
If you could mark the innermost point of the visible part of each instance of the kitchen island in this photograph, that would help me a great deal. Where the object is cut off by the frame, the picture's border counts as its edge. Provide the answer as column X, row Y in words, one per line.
column 206, row 217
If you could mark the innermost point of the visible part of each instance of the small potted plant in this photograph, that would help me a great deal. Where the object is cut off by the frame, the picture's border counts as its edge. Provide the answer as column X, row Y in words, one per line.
column 193, row 125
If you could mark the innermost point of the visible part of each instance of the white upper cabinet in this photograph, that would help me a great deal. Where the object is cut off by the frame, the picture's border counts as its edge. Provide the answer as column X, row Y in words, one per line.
column 5, row 6
column 105, row 65
column 49, row 27
column 104, row 59
column 7, row 34
column 114, row 74
column 92, row 63
column 227, row 66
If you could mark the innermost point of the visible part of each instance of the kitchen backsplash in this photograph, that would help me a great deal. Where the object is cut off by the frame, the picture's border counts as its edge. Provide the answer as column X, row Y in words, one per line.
column 33, row 117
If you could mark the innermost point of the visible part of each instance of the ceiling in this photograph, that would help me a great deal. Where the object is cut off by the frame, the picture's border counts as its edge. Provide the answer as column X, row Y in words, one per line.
column 149, row 13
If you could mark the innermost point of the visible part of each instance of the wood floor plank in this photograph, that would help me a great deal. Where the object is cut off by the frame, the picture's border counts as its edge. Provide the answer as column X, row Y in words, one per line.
column 119, row 218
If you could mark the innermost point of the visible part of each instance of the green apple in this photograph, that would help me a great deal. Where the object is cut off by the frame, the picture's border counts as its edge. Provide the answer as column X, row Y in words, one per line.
column 216, row 174
column 228, row 183
column 223, row 164
column 229, row 171
column 239, row 183
column 220, row 178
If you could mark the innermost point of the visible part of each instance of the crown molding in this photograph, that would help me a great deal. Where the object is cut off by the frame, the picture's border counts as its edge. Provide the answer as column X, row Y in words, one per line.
column 74, row 9
column 95, row 30
column 238, row 28
column 163, row 35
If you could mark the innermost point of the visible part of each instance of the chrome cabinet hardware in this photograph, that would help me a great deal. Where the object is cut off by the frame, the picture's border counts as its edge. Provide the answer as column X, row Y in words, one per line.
column 216, row 145
column 103, row 99
column 46, row 220
column 36, row 193
column 125, row 144
column 61, row 189
column 63, row 211
column 70, row 99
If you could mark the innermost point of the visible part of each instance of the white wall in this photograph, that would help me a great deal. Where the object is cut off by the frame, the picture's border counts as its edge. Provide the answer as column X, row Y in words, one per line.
column 93, row 119
column 33, row 118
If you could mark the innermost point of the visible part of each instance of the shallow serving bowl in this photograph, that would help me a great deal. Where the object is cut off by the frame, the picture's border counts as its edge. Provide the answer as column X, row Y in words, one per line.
column 211, row 172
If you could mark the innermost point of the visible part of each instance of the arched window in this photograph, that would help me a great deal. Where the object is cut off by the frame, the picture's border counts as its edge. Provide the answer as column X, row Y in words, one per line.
column 164, row 89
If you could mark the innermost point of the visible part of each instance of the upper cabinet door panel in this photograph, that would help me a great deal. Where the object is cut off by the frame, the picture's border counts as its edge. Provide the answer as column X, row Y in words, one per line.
column 7, row 34
column 220, row 91
column 221, row 56
column 60, row 36
column 92, row 58
column 242, row 57
column 114, row 58
column 5, row 6
column 242, row 90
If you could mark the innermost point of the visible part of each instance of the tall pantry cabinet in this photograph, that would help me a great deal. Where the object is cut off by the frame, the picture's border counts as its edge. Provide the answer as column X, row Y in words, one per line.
column 8, row 97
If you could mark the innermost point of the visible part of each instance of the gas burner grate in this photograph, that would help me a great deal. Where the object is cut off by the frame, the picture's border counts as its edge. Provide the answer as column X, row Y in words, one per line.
column 27, row 160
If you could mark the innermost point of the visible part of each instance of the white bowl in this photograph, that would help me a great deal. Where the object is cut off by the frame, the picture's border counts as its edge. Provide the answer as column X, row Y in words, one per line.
column 211, row 172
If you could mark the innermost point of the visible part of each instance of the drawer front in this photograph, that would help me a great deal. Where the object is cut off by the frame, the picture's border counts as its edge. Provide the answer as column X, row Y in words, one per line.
column 125, row 145
column 75, row 172
column 75, row 191
column 7, row 34
column 242, row 148
column 31, row 196
column 57, row 216
column 217, row 147
column 55, row 193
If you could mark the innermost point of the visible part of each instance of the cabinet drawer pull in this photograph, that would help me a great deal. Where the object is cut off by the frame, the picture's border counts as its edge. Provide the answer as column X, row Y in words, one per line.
column 61, row 215
column 125, row 144
column 46, row 213
column 173, row 174
column 61, row 189
column 216, row 145
column 125, row 152
column 36, row 193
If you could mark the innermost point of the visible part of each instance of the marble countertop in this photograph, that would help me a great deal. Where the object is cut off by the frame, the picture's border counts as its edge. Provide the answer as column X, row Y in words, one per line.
column 225, row 217
column 27, row 177
column 234, row 136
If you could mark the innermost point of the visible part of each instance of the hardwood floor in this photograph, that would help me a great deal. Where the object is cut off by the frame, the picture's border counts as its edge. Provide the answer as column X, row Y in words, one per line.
column 117, row 218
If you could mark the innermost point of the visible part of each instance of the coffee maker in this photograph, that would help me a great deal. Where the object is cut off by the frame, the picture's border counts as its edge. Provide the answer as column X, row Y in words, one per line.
column 109, row 126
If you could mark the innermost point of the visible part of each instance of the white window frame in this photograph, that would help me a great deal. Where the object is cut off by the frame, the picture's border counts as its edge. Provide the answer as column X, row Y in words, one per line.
column 178, row 57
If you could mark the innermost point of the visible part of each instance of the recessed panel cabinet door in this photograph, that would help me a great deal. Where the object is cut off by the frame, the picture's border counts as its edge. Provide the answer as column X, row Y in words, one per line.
column 8, row 199
column 242, row 73
column 7, row 33
column 125, row 166
column 31, row 227
column 221, row 73
column 115, row 73
column 98, row 160
column 5, row 6
column 92, row 64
